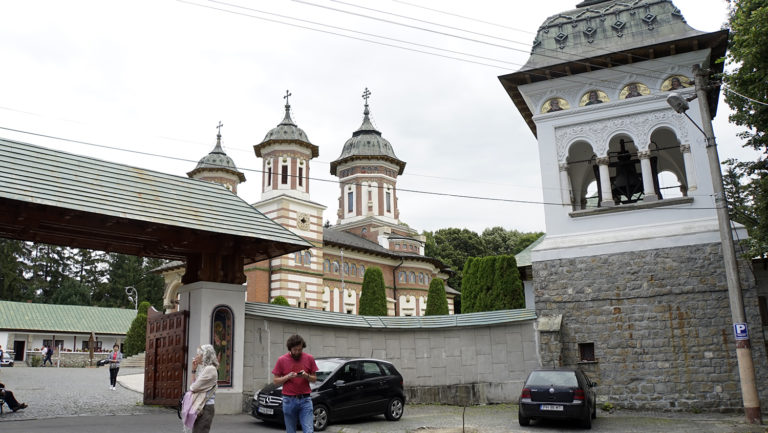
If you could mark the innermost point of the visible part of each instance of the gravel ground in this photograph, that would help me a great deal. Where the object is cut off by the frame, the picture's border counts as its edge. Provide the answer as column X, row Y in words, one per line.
column 54, row 392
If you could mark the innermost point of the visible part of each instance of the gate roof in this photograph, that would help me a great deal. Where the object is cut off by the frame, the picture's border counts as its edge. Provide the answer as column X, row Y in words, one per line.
column 55, row 197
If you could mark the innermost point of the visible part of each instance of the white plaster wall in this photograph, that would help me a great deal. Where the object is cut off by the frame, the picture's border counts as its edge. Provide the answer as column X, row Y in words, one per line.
column 200, row 299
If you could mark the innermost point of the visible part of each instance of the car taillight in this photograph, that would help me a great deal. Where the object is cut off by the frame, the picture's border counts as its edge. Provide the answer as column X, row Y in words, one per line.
column 578, row 394
column 526, row 393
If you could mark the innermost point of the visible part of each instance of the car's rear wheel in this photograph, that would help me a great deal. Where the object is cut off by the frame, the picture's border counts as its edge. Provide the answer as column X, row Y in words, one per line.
column 587, row 421
column 321, row 417
column 523, row 420
column 394, row 409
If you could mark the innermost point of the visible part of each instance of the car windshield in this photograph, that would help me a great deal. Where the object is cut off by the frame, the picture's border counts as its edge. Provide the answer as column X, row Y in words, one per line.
column 325, row 367
column 557, row 378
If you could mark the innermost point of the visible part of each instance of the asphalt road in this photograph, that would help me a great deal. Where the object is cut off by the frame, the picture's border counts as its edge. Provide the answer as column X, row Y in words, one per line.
column 78, row 400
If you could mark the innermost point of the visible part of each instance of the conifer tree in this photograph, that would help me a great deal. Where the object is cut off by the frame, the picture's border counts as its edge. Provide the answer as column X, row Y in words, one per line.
column 373, row 297
column 437, row 303
column 136, row 338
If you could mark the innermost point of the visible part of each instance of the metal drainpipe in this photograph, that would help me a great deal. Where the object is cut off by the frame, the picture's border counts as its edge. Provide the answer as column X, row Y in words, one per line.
column 394, row 288
column 269, row 281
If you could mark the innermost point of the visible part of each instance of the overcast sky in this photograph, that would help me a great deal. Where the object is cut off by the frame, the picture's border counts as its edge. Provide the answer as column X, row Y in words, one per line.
column 156, row 76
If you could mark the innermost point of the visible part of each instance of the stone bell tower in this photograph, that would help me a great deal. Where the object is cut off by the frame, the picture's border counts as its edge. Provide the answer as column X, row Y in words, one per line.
column 631, row 266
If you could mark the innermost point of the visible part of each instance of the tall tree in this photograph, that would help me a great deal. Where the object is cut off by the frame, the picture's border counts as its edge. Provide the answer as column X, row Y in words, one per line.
column 14, row 267
column 746, row 182
column 491, row 283
column 437, row 303
column 50, row 266
column 453, row 246
column 373, row 297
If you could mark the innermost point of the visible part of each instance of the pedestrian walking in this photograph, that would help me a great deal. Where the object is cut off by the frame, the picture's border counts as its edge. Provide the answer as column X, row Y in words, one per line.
column 48, row 354
column 114, row 365
column 294, row 371
column 197, row 408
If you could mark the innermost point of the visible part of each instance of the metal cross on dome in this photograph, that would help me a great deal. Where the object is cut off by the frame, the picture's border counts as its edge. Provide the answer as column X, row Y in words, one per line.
column 219, row 126
column 287, row 94
column 366, row 95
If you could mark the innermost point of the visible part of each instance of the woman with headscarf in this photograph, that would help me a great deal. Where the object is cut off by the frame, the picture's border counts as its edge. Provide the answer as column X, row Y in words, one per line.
column 197, row 407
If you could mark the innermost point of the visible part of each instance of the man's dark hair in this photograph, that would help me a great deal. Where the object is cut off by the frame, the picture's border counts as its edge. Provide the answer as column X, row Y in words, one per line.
column 295, row 340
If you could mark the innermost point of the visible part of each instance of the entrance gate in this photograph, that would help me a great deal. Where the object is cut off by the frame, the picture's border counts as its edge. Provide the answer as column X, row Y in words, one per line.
column 165, row 366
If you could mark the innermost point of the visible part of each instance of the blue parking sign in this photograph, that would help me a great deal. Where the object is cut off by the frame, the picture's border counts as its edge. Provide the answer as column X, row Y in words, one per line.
column 740, row 331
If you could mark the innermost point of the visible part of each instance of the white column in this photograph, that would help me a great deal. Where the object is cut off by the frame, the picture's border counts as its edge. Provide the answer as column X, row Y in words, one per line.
column 565, row 185
column 690, row 171
column 605, row 183
column 201, row 298
column 649, row 194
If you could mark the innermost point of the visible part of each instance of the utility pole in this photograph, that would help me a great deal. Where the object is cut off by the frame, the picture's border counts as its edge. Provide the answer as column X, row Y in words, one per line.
column 743, row 347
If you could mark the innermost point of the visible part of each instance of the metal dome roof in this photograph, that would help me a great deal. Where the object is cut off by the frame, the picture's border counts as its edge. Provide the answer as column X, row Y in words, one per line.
column 217, row 160
column 286, row 131
column 367, row 143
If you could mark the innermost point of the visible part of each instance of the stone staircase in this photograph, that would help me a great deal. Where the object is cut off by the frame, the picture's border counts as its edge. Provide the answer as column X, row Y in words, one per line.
column 135, row 361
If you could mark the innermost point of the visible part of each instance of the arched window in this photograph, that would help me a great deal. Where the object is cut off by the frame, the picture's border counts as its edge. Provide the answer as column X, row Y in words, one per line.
column 222, row 332
column 326, row 265
column 362, row 270
column 421, row 277
column 297, row 258
column 307, row 258
column 354, row 270
column 401, row 276
column 335, row 267
column 412, row 277
column 346, row 268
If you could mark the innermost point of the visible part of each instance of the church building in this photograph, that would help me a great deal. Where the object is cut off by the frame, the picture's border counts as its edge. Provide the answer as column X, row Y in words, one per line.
column 629, row 282
column 368, row 231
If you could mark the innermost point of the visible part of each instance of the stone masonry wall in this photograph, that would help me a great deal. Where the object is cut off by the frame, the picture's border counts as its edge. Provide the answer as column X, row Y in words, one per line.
column 456, row 365
column 661, row 326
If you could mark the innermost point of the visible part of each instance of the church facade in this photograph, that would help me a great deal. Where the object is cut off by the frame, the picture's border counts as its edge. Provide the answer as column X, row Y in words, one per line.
column 368, row 232
column 629, row 282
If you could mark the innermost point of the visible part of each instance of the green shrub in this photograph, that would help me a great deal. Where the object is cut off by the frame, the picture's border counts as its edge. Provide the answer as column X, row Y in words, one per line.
column 437, row 303
column 373, row 297
column 280, row 300
column 136, row 339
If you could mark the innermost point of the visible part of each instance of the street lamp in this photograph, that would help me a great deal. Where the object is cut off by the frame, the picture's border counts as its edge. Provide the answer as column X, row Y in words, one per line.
column 743, row 347
column 132, row 296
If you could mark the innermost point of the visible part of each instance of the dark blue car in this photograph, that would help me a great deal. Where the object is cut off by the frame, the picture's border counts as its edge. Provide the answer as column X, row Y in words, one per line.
column 346, row 388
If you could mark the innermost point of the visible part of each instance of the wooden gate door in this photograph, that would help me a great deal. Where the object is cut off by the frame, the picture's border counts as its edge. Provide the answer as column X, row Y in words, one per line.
column 165, row 367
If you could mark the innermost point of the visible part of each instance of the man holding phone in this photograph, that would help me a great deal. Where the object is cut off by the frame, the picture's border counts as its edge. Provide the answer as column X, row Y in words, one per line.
column 294, row 371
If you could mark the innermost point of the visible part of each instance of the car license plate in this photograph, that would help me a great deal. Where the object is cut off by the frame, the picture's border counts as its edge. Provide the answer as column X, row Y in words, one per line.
column 555, row 407
column 266, row 410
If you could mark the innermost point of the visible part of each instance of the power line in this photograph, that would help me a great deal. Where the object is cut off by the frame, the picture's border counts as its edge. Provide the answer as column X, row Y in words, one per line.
column 338, row 182
column 526, row 44
column 463, row 17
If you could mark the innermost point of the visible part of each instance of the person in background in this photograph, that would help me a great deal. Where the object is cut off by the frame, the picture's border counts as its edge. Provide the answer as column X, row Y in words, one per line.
column 294, row 371
column 10, row 400
column 114, row 366
column 197, row 408
column 48, row 355
column 1, row 354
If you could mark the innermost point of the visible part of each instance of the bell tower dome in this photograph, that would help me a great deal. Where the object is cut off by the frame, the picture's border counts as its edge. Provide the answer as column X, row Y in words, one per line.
column 367, row 169
column 286, row 152
column 217, row 167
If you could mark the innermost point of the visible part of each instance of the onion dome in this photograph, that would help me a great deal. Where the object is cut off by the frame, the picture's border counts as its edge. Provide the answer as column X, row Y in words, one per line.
column 367, row 143
column 217, row 160
column 286, row 132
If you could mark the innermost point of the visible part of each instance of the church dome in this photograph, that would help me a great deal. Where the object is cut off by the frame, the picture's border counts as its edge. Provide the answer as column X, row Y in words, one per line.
column 597, row 27
column 286, row 131
column 367, row 143
column 217, row 160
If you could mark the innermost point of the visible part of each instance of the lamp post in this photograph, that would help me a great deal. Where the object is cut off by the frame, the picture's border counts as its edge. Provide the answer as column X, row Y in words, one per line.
column 132, row 296
column 743, row 347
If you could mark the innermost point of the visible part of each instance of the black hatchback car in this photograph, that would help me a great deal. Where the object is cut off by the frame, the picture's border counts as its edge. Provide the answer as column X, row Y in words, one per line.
column 558, row 393
column 346, row 388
